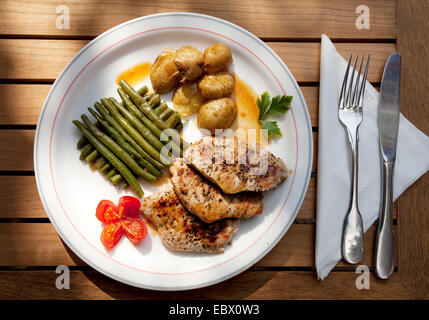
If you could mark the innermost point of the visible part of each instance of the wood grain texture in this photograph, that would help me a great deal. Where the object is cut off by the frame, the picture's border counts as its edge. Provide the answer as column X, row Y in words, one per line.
column 16, row 150
column 248, row 285
column 21, row 103
column 18, row 247
column 292, row 19
column 37, row 60
column 413, row 241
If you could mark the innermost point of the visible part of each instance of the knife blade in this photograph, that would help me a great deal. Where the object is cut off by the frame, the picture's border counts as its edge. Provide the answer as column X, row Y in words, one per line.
column 388, row 125
column 388, row 107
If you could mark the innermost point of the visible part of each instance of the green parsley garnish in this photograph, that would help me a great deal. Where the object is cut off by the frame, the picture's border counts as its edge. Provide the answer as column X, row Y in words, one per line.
column 268, row 107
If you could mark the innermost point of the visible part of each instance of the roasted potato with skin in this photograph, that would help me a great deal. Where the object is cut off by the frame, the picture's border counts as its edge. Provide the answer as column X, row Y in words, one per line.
column 164, row 74
column 218, row 85
column 189, row 61
column 187, row 99
column 217, row 114
column 217, row 58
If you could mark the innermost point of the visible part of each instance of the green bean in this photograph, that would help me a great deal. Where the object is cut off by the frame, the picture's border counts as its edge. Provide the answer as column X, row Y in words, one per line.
column 92, row 156
column 82, row 141
column 141, row 128
column 100, row 108
column 126, row 173
column 125, row 145
column 179, row 126
column 142, row 91
column 154, row 101
column 137, row 124
column 163, row 106
column 124, row 185
column 140, row 116
column 116, row 149
column 173, row 120
column 130, row 129
column 148, row 112
column 100, row 162
column 111, row 173
column 86, row 150
column 116, row 179
column 139, row 102
column 104, row 169
column 166, row 114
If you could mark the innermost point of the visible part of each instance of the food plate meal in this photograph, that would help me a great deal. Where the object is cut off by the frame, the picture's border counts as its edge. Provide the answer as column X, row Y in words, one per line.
column 173, row 152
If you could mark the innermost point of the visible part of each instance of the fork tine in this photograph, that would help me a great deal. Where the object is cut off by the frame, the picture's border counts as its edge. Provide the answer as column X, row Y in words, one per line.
column 349, row 103
column 343, row 87
column 357, row 86
column 362, row 88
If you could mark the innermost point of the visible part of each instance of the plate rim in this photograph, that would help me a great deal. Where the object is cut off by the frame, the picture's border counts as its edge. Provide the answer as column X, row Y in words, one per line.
column 251, row 261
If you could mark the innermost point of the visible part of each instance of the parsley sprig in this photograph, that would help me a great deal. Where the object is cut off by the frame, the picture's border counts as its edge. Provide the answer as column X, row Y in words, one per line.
column 269, row 107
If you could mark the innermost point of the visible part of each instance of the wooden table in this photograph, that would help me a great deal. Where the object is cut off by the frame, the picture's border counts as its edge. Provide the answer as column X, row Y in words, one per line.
column 33, row 52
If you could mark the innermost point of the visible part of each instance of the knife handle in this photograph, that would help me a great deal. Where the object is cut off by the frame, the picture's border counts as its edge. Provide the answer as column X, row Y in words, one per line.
column 385, row 241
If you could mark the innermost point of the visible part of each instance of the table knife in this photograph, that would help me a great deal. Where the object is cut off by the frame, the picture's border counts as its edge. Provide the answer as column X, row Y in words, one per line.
column 388, row 124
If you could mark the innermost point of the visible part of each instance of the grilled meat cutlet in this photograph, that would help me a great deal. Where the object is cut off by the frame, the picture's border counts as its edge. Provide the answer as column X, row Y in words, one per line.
column 206, row 200
column 235, row 166
column 181, row 231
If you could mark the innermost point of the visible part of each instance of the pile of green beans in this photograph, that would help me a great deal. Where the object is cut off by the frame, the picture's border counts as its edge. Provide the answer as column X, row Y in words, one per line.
column 125, row 140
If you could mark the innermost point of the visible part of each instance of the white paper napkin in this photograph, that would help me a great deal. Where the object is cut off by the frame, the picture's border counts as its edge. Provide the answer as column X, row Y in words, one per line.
column 334, row 166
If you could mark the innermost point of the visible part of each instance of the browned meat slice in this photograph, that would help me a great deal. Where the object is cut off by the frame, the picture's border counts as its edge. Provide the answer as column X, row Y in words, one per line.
column 206, row 200
column 181, row 231
column 234, row 166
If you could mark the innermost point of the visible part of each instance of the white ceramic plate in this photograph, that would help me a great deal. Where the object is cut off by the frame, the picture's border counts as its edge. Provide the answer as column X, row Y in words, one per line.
column 70, row 191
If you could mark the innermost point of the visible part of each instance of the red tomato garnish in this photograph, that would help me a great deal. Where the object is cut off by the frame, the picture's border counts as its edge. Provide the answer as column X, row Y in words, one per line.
column 130, row 206
column 102, row 207
column 111, row 215
column 111, row 234
column 135, row 229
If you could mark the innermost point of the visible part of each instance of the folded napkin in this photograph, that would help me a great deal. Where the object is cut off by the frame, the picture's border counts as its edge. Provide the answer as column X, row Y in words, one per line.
column 334, row 161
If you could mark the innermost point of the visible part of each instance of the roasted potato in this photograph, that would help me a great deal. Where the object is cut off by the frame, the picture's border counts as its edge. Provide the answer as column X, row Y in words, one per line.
column 187, row 99
column 189, row 61
column 164, row 74
column 217, row 58
column 217, row 114
column 218, row 85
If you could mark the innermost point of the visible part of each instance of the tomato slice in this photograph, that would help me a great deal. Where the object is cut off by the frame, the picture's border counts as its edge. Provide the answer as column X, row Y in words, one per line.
column 102, row 207
column 135, row 229
column 130, row 206
column 111, row 215
column 111, row 234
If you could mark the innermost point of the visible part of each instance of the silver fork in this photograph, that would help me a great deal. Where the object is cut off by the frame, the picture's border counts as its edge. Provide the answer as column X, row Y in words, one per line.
column 350, row 115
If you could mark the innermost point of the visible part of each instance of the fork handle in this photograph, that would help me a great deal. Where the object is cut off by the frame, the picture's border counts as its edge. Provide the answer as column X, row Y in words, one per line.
column 352, row 244
column 385, row 241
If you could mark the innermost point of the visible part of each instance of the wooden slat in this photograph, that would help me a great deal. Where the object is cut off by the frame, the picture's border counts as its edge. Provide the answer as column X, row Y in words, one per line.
column 277, row 19
column 30, row 59
column 413, row 224
column 16, row 150
column 21, row 103
column 38, row 244
column 19, row 198
column 91, row 285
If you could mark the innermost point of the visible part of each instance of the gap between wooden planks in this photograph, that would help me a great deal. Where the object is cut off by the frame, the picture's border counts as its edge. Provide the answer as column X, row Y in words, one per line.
column 38, row 244
column 91, row 285
column 19, row 199
column 293, row 18
column 42, row 60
